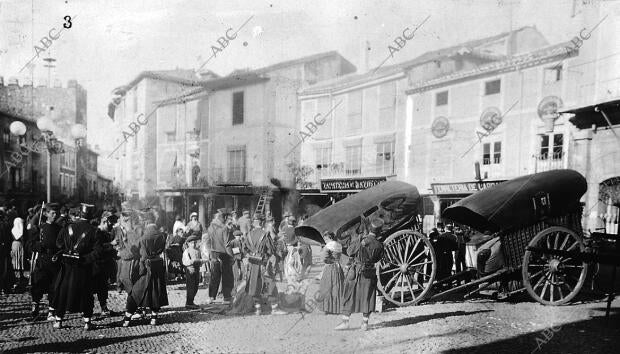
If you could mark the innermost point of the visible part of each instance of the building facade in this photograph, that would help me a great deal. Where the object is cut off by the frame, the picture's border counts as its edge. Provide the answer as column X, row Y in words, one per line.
column 596, row 116
column 368, row 137
column 135, row 106
column 25, row 181
column 237, row 133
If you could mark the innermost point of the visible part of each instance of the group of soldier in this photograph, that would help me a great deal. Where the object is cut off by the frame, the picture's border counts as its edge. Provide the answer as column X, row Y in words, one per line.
column 76, row 255
column 73, row 260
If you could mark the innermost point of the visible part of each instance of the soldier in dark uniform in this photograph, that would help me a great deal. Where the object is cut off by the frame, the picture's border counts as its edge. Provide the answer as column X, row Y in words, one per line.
column 104, row 266
column 361, row 282
column 6, row 266
column 45, row 270
column 80, row 248
column 262, row 258
column 149, row 290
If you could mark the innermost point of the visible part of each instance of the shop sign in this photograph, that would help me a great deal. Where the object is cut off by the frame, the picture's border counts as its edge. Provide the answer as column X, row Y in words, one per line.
column 350, row 185
column 461, row 188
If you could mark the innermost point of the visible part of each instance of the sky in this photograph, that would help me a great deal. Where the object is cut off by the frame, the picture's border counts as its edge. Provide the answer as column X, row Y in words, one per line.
column 111, row 41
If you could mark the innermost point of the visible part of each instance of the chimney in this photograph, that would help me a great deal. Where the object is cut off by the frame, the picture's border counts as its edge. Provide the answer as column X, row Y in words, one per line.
column 1, row 80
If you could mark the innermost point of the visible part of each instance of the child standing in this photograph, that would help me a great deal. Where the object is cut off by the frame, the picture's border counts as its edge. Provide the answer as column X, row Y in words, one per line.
column 192, row 262
column 236, row 249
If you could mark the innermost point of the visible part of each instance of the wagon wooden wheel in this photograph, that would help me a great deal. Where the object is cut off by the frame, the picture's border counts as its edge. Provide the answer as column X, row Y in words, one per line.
column 407, row 269
column 551, row 279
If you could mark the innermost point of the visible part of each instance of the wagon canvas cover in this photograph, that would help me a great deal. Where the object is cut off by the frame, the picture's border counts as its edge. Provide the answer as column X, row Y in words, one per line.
column 512, row 204
column 399, row 199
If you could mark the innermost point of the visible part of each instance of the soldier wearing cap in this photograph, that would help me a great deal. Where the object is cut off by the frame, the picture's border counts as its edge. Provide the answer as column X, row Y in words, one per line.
column 262, row 258
column 45, row 269
column 361, row 281
column 217, row 238
column 80, row 248
column 104, row 266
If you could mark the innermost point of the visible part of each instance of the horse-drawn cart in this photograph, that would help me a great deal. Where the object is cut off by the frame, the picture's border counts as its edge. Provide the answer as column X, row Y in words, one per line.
column 536, row 217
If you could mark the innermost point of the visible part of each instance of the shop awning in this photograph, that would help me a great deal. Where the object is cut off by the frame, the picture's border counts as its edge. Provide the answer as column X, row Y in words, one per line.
column 597, row 114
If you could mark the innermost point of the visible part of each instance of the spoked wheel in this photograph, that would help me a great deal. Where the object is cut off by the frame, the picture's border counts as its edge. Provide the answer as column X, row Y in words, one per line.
column 407, row 269
column 552, row 279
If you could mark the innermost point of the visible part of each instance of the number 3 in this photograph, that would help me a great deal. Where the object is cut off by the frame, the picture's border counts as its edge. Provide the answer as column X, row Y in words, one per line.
column 68, row 24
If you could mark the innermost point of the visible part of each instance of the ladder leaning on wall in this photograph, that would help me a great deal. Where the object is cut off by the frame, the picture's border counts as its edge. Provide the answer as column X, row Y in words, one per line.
column 262, row 201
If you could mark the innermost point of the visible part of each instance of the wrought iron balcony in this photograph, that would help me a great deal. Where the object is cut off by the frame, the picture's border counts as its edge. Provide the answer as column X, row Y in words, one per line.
column 548, row 162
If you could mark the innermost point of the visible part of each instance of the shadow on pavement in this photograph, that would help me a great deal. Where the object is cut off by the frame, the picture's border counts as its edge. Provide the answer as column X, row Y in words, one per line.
column 81, row 345
column 595, row 335
column 417, row 319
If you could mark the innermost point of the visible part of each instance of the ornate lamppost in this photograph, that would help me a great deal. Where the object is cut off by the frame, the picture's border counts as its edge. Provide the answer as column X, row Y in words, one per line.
column 53, row 145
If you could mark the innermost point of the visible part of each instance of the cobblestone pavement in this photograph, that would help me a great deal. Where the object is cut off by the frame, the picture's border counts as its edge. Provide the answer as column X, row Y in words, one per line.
column 482, row 326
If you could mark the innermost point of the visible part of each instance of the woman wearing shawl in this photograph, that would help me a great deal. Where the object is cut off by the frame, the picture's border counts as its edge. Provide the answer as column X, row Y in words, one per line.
column 150, row 289
column 17, row 248
column 361, row 281
column 331, row 289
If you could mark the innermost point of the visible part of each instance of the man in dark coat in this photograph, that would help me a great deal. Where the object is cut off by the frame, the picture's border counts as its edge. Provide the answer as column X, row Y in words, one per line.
column 106, row 263
column 262, row 258
column 361, row 282
column 80, row 248
column 45, row 270
column 7, row 276
column 149, row 290
column 445, row 244
column 218, row 237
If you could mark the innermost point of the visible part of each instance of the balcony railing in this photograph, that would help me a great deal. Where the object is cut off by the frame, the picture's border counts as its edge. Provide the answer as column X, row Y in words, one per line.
column 548, row 162
column 220, row 175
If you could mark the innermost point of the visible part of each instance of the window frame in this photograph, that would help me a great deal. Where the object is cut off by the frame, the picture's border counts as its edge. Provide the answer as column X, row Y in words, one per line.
column 232, row 169
column 236, row 111
column 447, row 92
column 349, row 164
column 385, row 166
column 487, row 85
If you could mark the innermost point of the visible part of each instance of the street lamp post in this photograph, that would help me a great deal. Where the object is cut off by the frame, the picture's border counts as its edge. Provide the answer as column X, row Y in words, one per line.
column 53, row 145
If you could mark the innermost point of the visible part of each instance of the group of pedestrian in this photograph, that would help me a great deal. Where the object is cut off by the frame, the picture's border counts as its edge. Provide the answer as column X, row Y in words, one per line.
column 449, row 243
column 352, row 290
column 231, row 250
column 75, row 255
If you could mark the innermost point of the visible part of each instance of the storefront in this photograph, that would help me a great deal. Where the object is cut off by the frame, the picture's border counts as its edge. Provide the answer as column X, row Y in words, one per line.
column 446, row 194
column 596, row 155
column 340, row 188
column 206, row 200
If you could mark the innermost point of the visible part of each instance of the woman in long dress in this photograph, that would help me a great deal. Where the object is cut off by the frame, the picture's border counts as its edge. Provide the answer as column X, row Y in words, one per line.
column 17, row 248
column 331, row 288
column 150, row 289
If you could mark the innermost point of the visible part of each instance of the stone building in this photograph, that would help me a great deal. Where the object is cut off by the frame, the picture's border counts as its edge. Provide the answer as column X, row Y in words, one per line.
column 136, row 153
column 222, row 145
column 66, row 106
column 368, row 137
